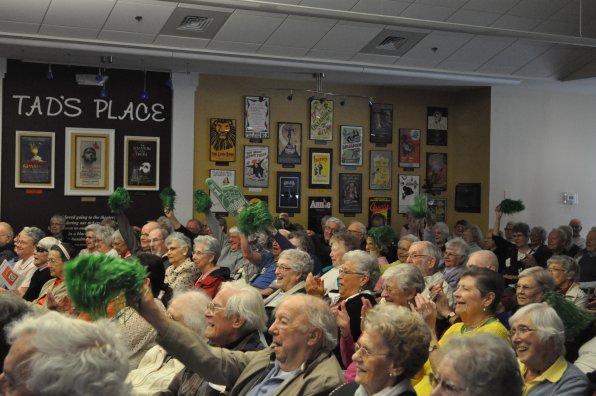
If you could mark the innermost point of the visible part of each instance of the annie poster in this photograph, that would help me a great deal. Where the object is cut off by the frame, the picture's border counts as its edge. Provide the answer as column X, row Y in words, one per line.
column 379, row 206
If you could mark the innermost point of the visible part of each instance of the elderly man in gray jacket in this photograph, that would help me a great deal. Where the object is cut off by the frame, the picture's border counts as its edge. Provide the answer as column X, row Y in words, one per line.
column 299, row 361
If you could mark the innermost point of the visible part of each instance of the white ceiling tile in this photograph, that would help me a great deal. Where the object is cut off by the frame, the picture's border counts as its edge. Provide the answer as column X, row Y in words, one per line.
column 478, row 50
column 19, row 27
column 423, row 11
column 471, row 17
column 444, row 43
column 329, row 54
column 294, row 2
column 558, row 27
column 499, row 6
column 457, row 65
column 331, row 4
column 346, row 38
column 155, row 15
column 515, row 56
column 30, row 11
column 280, row 50
column 90, row 14
column 443, row 3
column 137, row 38
column 242, row 28
column 260, row 13
column 181, row 42
column 539, row 9
column 381, row 7
column 374, row 59
column 298, row 33
column 68, row 31
column 516, row 23
column 232, row 46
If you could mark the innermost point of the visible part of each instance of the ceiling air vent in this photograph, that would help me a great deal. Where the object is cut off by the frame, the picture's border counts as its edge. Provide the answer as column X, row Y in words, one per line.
column 393, row 42
column 195, row 23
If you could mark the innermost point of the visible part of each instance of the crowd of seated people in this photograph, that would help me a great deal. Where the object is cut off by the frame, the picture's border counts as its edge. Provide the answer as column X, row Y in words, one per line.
column 293, row 311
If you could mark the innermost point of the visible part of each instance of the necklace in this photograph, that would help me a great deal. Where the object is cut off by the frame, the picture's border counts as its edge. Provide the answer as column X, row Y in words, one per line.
column 465, row 328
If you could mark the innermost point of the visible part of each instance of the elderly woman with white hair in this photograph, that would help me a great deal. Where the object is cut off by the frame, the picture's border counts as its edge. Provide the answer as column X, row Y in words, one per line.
column 442, row 235
column 90, row 239
column 205, row 255
column 538, row 337
column 392, row 348
column 456, row 254
column 24, row 246
column 291, row 270
column 103, row 242
column 120, row 245
column 53, row 354
column 478, row 365
column 42, row 273
column 565, row 272
column 532, row 285
column 182, row 272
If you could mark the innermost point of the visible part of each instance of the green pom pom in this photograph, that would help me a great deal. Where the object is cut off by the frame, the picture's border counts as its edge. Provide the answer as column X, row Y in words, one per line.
column 384, row 236
column 509, row 206
column 574, row 318
column 168, row 197
column 93, row 281
column 419, row 210
column 202, row 201
column 119, row 201
column 255, row 218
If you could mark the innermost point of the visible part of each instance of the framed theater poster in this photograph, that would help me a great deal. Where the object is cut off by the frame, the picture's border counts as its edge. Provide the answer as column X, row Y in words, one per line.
column 351, row 145
column 289, row 143
column 256, row 166
column 409, row 187
column 379, row 210
column 381, row 123
column 34, row 159
column 380, row 170
column 438, row 209
column 222, row 140
column 320, row 168
column 321, row 119
column 436, row 171
column 350, row 193
column 141, row 163
column 436, row 126
column 409, row 148
column 256, row 117
column 89, row 161
column 288, row 192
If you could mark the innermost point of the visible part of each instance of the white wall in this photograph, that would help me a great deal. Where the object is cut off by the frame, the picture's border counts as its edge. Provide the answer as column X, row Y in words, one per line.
column 543, row 143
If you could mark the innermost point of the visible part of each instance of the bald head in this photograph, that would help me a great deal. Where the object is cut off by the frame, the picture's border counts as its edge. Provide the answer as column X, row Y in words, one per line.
column 484, row 259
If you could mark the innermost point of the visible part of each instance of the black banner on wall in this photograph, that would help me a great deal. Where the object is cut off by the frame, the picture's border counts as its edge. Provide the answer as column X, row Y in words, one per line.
column 34, row 103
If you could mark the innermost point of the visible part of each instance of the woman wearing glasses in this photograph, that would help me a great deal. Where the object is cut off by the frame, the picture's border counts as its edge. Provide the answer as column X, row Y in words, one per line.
column 565, row 272
column 478, row 365
column 53, row 294
column 476, row 300
column 538, row 337
column 392, row 348
column 205, row 256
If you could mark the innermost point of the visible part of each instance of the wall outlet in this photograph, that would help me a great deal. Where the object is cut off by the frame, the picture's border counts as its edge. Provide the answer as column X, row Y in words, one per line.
column 570, row 198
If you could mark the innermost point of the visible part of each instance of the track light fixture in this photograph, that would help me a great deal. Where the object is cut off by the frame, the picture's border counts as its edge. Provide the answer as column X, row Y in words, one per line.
column 98, row 76
column 145, row 93
column 342, row 102
column 103, row 92
column 49, row 73
column 291, row 95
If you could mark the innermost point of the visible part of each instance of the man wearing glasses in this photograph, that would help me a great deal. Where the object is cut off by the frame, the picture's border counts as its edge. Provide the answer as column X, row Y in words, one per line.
column 299, row 361
column 426, row 256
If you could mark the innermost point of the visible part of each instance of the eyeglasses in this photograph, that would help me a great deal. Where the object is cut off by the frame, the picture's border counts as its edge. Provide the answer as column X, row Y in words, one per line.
column 520, row 331
column 389, row 289
column 435, row 381
column 365, row 353
column 41, row 249
column 283, row 267
column 212, row 308
column 450, row 254
column 343, row 271
column 198, row 253
column 551, row 269
column 155, row 240
column 354, row 232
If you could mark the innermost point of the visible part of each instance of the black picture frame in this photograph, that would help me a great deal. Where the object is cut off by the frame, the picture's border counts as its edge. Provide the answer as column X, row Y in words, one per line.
column 381, row 123
column 320, row 168
column 288, row 192
column 289, row 143
column 437, row 119
column 350, row 193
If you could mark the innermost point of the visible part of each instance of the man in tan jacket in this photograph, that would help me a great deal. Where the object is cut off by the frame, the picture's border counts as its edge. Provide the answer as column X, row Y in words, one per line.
column 299, row 361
